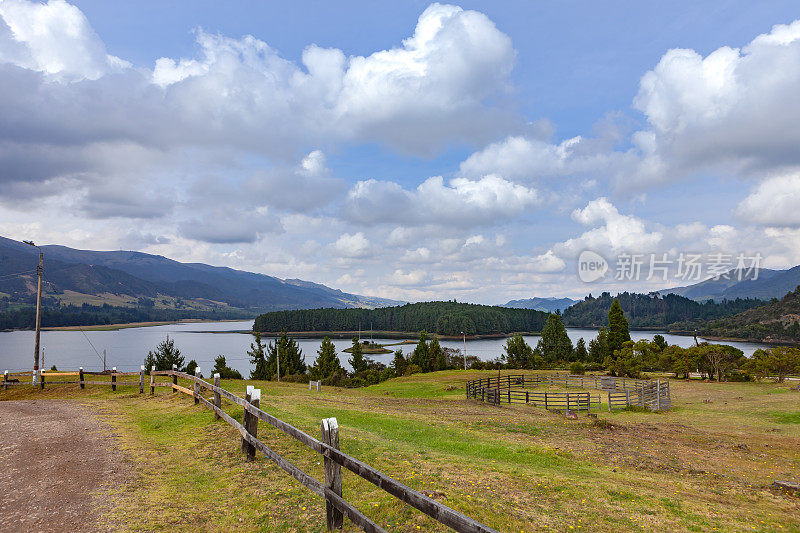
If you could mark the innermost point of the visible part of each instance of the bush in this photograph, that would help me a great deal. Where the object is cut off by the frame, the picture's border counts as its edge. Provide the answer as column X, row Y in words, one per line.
column 337, row 379
column 740, row 376
column 577, row 368
column 412, row 369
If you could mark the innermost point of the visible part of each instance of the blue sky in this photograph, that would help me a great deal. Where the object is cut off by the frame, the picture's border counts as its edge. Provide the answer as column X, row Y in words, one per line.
column 474, row 159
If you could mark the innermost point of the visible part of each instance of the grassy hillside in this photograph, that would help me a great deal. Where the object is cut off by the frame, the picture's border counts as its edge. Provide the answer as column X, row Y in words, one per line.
column 444, row 318
column 702, row 466
column 778, row 321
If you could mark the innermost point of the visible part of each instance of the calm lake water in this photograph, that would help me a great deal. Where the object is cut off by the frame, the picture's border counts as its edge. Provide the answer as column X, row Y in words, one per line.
column 127, row 348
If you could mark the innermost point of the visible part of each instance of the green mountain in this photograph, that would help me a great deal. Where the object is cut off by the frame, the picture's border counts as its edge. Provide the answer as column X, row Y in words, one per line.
column 653, row 311
column 777, row 321
column 443, row 318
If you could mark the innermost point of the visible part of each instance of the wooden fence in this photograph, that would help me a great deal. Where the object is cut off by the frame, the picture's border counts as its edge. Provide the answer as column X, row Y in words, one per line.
column 327, row 446
column 622, row 392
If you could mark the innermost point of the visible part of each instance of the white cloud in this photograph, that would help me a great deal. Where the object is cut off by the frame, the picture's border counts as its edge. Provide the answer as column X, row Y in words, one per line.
column 613, row 232
column 548, row 262
column 54, row 38
column 774, row 202
column 734, row 109
column 352, row 245
column 462, row 202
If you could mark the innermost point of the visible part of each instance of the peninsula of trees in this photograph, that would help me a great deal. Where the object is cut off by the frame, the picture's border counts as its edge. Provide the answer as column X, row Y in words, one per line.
column 442, row 318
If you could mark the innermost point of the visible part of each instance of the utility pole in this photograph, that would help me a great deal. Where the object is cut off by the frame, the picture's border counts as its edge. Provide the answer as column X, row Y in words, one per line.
column 39, row 271
column 465, row 349
column 278, row 356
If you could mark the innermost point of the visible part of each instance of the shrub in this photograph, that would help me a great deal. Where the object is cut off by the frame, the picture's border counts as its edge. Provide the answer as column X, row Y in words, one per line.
column 412, row 369
column 295, row 378
column 577, row 368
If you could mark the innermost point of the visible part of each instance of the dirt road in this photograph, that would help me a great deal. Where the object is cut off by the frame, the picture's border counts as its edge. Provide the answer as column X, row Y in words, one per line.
column 55, row 460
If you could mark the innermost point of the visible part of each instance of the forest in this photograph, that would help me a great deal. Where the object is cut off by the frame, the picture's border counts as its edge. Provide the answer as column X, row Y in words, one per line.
column 23, row 317
column 442, row 318
column 776, row 321
column 654, row 311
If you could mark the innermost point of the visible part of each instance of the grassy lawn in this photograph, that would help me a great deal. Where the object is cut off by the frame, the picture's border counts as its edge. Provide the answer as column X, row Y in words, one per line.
column 706, row 465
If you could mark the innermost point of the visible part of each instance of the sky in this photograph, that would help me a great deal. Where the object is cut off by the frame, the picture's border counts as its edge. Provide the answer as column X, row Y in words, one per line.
column 481, row 151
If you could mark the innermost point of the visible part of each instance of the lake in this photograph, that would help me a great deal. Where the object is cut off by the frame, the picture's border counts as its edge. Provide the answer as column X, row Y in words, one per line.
column 203, row 341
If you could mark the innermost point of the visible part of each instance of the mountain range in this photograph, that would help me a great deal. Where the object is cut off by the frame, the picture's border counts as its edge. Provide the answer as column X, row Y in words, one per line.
column 124, row 278
column 548, row 305
column 766, row 284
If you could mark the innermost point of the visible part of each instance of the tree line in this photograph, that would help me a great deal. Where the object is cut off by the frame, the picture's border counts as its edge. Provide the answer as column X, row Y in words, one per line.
column 443, row 318
column 646, row 311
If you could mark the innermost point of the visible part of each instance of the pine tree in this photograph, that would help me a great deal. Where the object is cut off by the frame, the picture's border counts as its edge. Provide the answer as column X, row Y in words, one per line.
column 518, row 353
column 165, row 355
column 556, row 344
column 618, row 333
column 285, row 354
column 580, row 351
column 225, row 372
column 420, row 355
column 436, row 356
column 399, row 363
column 258, row 359
column 357, row 359
column 598, row 347
column 327, row 362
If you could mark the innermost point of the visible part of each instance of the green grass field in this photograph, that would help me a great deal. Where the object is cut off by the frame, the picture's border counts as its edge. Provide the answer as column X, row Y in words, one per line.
column 701, row 467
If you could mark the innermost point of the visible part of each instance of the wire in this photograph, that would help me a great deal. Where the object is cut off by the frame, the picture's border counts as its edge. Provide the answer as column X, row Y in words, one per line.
column 90, row 344
column 18, row 274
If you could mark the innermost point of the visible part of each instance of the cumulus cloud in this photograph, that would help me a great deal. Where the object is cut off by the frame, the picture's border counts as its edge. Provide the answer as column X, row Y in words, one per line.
column 352, row 245
column 734, row 108
column 54, row 38
column 612, row 231
column 461, row 201
column 774, row 202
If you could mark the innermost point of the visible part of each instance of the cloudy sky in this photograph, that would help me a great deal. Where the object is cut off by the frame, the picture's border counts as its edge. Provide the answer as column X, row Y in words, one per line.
column 404, row 149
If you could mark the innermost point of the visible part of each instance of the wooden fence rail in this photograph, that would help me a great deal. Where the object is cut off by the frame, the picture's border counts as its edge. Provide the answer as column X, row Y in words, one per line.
column 622, row 392
column 328, row 447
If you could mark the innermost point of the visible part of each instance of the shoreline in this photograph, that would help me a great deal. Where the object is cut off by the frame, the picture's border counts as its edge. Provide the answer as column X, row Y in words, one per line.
column 128, row 325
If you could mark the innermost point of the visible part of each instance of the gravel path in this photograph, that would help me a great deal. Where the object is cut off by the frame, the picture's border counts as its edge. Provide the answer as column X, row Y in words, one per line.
column 55, row 455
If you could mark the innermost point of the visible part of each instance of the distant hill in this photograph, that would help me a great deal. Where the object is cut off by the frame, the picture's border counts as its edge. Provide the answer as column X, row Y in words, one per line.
column 134, row 279
column 768, row 284
column 548, row 305
column 656, row 311
column 443, row 318
column 777, row 321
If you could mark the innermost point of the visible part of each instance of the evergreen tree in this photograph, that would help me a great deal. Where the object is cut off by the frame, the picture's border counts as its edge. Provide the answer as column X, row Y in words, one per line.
column 598, row 347
column 191, row 367
column 420, row 355
column 618, row 333
column 660, row 342
column 518, row 353
column 399, row 363
column 556, row 344
column 165, row 355
column 285, row 354
column 258, row 359
column 225, row 372
column 327, row 362
column 357, row 359
column 580, row 351
column 436, row 356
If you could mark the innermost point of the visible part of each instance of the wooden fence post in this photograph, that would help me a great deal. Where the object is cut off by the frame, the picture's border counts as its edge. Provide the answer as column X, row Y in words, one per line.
column 141, row 379
column 80, row 377
column 627, row 397
column 252, row 427
column 333, row 473
column 658, row 395
column 114, row 378
column 545, row 401
column 246, row 416
column 41, row 380
column 153, row 379
column 568, row 405
column 527, row 398
column 5, row 380
column 196, row 386
column 174, row 377
column 217, row 397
